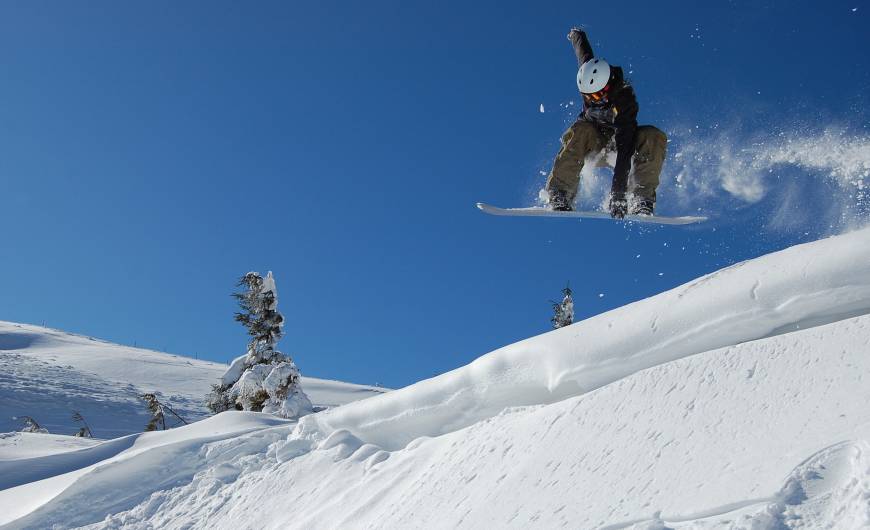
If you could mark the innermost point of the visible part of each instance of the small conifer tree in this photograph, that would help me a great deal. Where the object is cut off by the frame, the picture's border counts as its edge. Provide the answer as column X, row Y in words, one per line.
column 157, row 420
column 85, row 429
column 563, row 312
column 264, row 379
column 158, row 411
column 219, row 399
column 31, row 425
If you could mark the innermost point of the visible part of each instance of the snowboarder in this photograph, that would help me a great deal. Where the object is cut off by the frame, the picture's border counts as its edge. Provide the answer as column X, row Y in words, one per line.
column 608, row 123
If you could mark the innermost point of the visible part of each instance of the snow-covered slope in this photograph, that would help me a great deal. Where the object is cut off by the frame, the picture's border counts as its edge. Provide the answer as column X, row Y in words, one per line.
column 735, row 401
column 803, row 286
column 17, row 445
column 744, row 437
column 48, row 374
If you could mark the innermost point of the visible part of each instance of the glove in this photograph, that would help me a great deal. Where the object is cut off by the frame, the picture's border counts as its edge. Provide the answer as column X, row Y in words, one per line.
column 617, row 205
column 601, row 114
column 575, row 34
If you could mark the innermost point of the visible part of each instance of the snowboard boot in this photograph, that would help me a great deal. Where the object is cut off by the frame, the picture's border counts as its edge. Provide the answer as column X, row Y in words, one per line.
column 643, row 207
column 559, row 201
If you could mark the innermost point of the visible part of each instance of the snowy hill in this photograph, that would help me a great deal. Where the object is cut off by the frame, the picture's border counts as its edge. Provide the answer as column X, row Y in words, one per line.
column 47, row 374
column 736, row 401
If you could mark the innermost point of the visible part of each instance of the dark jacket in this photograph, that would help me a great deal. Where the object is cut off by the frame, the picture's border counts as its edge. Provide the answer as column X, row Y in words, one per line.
column 617, row 116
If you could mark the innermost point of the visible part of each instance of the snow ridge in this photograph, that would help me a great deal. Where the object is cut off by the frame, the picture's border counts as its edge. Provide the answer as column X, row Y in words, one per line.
column 738, row 438
column 736, row 401
column 803, row 286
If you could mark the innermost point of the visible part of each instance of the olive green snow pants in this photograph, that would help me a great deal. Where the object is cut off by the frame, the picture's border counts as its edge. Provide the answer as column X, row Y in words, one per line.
column 584, row 139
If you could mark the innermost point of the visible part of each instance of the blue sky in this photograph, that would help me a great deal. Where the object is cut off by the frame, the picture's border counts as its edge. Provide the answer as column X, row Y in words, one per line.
column 151, row 154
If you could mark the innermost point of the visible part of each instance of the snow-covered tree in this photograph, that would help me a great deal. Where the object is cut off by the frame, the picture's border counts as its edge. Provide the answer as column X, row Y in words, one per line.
column 219, row 400
column 85, row 430
column 564, row 310
column 264, row 379
column 158, row 419
column 31, row 425
column 158, row 411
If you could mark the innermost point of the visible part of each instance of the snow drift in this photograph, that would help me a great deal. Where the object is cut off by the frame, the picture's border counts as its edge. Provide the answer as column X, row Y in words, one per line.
column 803, row 286
column 154, row 460
column 736, row 401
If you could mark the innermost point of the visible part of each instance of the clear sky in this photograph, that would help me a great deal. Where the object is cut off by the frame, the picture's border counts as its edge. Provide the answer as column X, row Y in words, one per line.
column 152, row 153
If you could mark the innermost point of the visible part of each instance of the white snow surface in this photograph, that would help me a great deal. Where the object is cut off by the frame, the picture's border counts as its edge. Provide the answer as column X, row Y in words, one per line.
column 803, row 286
column 736, row 401
column 48, row 374
column 17, row 445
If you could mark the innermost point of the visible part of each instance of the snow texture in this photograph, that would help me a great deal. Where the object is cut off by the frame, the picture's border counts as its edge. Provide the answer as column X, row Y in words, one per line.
column 803, row 286
column 736, row 401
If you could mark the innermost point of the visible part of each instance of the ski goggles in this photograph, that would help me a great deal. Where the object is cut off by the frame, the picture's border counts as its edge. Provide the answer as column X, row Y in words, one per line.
column 599, row 96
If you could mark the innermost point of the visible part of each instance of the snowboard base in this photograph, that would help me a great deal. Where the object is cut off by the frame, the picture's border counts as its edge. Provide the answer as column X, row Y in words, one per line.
column 537, row 211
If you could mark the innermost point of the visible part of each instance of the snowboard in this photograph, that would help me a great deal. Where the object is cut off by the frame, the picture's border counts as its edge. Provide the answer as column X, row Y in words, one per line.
column 537, row 211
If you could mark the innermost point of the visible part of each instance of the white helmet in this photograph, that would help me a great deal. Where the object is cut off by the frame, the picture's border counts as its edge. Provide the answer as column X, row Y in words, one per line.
column 593, row 76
